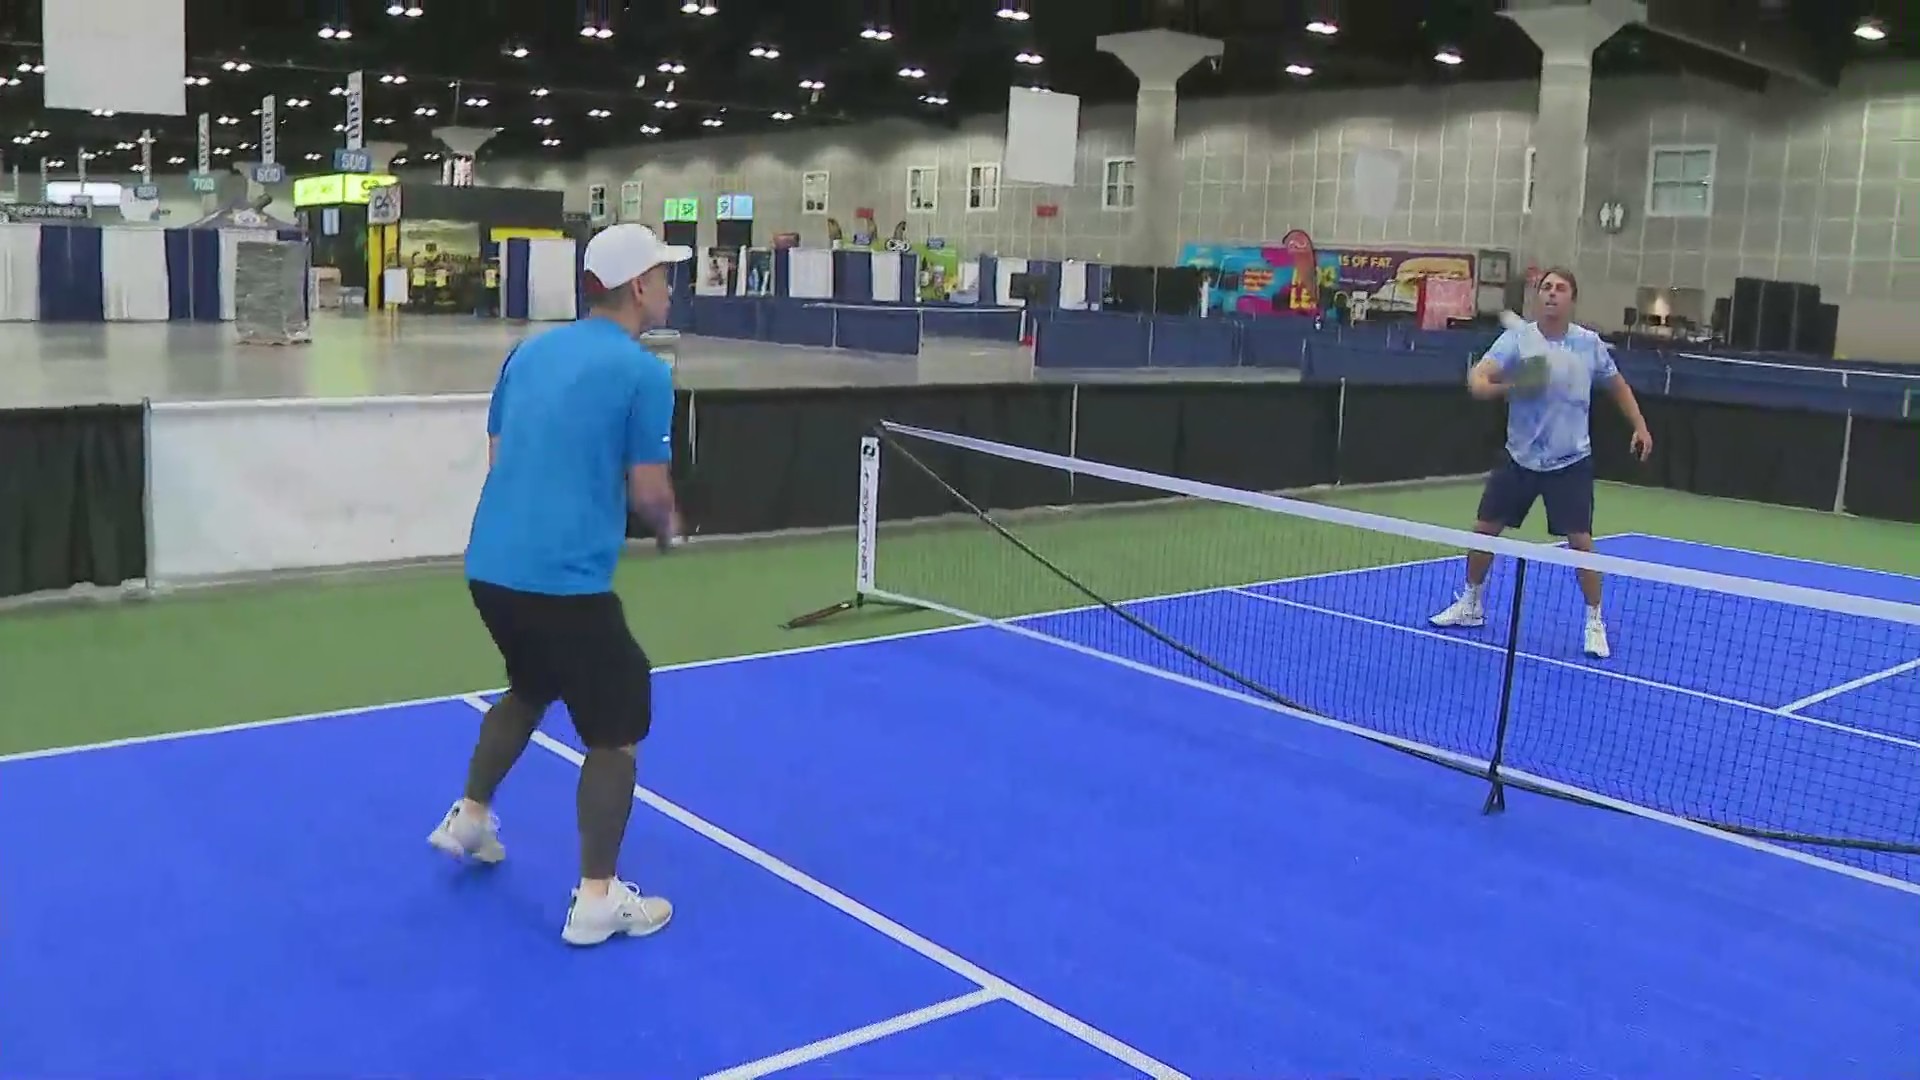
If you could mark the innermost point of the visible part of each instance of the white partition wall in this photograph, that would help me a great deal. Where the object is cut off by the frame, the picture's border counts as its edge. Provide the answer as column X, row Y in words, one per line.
column 133, row 271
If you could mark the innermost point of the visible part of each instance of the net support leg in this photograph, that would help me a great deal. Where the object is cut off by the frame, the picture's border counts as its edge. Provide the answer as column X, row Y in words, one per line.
column 1497, row 791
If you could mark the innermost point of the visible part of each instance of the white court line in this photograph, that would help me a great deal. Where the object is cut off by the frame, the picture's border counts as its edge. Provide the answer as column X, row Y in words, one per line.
column 1785, row 712
column 1801, row 559
column 965, row 623
column 1847, row 687
column 893, row 1025
column 873, row 920
column 1424, row 749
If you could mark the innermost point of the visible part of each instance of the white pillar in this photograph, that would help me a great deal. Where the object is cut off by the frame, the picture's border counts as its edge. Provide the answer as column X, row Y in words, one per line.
column 1157, row 58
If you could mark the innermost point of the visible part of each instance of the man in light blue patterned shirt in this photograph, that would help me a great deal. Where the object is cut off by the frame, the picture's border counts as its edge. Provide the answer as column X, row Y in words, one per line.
column 1546, row 370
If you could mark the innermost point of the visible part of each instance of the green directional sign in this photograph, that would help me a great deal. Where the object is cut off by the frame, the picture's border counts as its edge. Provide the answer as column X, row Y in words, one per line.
column 681, row 210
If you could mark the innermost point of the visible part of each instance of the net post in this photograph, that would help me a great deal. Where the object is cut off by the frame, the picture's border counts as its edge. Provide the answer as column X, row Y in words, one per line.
column 1497, row 792
column 866, row 525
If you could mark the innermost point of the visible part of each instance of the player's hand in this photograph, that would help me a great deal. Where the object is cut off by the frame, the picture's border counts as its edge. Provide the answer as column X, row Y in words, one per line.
column 1642, row 444
column 672, row 535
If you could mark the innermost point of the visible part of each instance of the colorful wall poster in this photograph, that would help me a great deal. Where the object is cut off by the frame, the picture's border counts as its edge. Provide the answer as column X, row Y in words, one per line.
column 939, row 273
column 1274, row 279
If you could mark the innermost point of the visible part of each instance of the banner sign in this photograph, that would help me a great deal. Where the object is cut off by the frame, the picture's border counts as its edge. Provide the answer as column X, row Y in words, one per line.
column 352, row 161
column 356, row 112
column 11, row 212
column 269, row 133
column 205, row 162
column 1274, row 280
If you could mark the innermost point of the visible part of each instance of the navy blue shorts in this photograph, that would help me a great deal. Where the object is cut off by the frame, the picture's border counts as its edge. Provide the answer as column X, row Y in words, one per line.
column 1567, row 491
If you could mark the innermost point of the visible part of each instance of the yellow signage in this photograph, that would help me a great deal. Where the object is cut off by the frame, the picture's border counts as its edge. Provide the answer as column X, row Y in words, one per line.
column 337, row 189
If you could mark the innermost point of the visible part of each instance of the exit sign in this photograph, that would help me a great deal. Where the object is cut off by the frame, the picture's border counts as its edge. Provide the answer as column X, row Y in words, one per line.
column 681, row 210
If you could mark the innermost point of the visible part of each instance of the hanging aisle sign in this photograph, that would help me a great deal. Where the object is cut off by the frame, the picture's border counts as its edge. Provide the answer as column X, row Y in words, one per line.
column 269, row 133
column 356, row 114
column 205, row 163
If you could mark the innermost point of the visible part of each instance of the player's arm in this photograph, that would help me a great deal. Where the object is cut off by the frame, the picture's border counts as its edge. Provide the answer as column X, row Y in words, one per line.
column 494, row 409
column 1488, row 378
column 1607, row 374
column 649, row 455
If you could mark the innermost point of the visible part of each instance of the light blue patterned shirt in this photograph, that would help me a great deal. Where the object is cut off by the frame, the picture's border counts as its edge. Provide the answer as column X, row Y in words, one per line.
column 1549, row 430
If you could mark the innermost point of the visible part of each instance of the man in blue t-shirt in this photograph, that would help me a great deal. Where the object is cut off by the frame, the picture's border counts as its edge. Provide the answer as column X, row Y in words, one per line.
column 1546, row 370
column 579, row 433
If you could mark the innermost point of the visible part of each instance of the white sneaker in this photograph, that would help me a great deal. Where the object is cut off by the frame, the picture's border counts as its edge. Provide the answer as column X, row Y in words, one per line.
column 1464, row 611
column 1596, row 640
column 622, row 911
column 469, row 836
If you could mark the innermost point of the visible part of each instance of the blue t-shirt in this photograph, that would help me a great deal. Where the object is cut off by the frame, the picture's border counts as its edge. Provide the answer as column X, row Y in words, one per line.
column 574, row 409
column 1549, row 430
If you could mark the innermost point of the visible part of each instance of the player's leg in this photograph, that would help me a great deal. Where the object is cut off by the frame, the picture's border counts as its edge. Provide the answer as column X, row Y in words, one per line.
column 1504, row 503
column 1569, row 499
column 609, row 693
column 514, row 621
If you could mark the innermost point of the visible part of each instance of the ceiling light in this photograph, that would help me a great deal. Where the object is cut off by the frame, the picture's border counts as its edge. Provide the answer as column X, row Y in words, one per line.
column 933, row 99
column 339, row 128
column 57, row 163
column 384, row 121
column 41, row 69
column 549, row 142
column 913, row 73
column 1870, row 30
column 478, row 102
column 666, row 103
column 332, row 91
column 192, row 80
column 396, row 10
column 812, row 84
column 396, row 80
column 103, row 112
column 670, row 67
column 229, row 121
column 518, row 52
column 1322, row 27
column 1030, row 58
column 709, row 9
column 1300, row 70
column 649, row 129
column 426, row 110
column 599, row 114
column 541, row 91
column 222, row 151
column 783, row 116
column 1449, row 57
column 543, row 121
column 414, row 11
column 123, row 146
column 343, row 34
column 763, row 52
column 299, row 102
column 313, row 157
column 326, row 32
column 588, row 30
column 712, row 122
column 604, row 33
column 176, row 161
column 1013, row 11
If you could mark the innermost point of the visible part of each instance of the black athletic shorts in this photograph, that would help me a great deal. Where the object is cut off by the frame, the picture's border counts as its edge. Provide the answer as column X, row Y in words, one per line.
column 1568, row 492
column 573, row 649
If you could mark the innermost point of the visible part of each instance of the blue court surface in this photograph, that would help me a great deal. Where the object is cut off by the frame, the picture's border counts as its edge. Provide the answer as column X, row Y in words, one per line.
column 970, row 852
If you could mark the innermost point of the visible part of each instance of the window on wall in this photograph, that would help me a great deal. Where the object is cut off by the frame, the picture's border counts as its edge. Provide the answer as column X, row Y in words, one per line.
column 983, row 187
column 1680, row 181
column 1117, row 191
column 923, row 189
column 597, row 202
column 631, row 206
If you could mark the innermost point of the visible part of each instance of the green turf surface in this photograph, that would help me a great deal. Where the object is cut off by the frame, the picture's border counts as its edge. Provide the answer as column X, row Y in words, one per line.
column 209, row 657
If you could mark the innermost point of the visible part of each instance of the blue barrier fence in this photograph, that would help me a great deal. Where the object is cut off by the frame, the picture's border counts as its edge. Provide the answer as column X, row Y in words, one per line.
column 895, row 330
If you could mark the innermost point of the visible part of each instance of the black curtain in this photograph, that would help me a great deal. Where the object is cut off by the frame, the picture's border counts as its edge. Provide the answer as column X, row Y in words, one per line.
column 1883, row 470
column 72, row 497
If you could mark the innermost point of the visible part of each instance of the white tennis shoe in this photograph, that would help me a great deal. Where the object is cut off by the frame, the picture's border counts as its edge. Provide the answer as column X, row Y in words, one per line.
column 622, row 911
column 469, row 836
column 1464, row 611
column 1596, row 638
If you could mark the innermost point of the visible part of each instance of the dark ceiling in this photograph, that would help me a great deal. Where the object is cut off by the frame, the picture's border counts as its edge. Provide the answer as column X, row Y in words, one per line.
column 456, row 51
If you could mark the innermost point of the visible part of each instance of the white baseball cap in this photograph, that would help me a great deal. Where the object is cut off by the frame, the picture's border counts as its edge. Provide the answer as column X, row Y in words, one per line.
column 620, row 253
